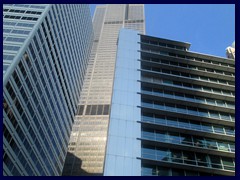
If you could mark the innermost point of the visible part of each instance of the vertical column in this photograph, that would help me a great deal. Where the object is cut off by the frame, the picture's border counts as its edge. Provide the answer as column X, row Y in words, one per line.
column 123, row 148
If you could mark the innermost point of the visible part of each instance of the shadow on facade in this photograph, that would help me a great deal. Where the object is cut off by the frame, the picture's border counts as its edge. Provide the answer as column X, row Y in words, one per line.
column 73, row 167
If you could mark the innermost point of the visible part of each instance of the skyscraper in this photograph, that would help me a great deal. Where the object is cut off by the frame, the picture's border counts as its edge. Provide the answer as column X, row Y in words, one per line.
column 88, row 139
column 172, row 110
column 45, row 54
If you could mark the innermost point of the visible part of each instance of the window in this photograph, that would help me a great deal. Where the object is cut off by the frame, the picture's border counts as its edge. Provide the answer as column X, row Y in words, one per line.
column 228, row 163
column 218, row 129
column 189, row 97
column 166, row 71
column 88, row 110
column 186, row 139
column 201, row 160
column 222, row 81
column 177, row 172
column 94, row 109
column 197, row 87
column 148, row 133
column 227, row 93
column 176, row 83
column 160, row 119
column 187, row 85
column 181, row 56
column 195, row 125
column 181, row 108
column 230, row 131
column 215, row 162
column 162, row 154
column 10, row 48
column 168, row 93
column 172, row 121
column 192, row 110
column 100, row 110
column 220, row 103
column 214, row 114
column 170, row 107
column 203, row 78
column 172, row 54
column 211, row 101
column 206, row 127
column 223, row 147
column 183, row 123
column 167, row 81
column 211, row 144
column 182, row 65
column 207, row 89
column 185, row 74
column 158, row 91
column 163, row 171
column 80, row 110
column 148, row 170
column 162, row 44
column 106, row 110
column 174, row 63
column 191, row 173
column 225, row 116
column 164, row 62
column 189, row 158
column 176, row 73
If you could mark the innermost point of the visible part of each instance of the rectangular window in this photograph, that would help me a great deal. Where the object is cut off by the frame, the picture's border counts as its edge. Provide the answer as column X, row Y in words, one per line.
column 167, row 81
column 80, row 110
column 228, row 163
column 106, row 110
column 94, row 109
column 100, row 110
column 179, row 95
column 88, row 110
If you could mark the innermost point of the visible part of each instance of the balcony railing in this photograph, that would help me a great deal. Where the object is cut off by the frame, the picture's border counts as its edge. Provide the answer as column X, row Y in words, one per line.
column 193, row 87
column 186, row 161
column 203, row 144
column 188, row 99
column 187, row 58
column 189, row 126
column 188, row 112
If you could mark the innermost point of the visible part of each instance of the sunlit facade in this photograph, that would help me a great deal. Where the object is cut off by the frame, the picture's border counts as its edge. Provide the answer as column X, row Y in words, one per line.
column 172, row 112
column 88, row 138
column 46, row 49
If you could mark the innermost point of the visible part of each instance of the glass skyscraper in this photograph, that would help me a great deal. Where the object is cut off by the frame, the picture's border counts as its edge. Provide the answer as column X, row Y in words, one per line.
column 86, row 151
column 172, row 110
column 45, row 54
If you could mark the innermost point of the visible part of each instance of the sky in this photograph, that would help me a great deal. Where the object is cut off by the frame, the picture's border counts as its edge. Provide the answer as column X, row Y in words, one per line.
column 209, row 28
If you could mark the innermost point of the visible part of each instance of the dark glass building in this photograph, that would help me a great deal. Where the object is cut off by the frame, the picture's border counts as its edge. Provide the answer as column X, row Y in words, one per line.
column 45, row 54
column 172, row 110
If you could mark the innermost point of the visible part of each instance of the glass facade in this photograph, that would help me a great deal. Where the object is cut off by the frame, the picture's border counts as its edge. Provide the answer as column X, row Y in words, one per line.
column 122, row 147
column 87, row 146
column 46, row 51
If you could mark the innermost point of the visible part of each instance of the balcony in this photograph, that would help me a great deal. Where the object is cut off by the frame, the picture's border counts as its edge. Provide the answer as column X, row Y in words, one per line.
column 192, row 127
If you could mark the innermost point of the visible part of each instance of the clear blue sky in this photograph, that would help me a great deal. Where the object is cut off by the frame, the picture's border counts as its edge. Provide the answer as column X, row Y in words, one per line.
column 209, row 28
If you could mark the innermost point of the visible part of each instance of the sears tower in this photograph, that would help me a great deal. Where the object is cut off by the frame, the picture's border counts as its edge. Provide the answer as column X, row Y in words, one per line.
column 87, row 144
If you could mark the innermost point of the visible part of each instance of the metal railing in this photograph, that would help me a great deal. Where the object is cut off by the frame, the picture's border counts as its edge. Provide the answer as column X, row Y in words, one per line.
column 204, row 144
column 186, row 161
column 186, row 99
column 186, row 111
column 187, row 126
